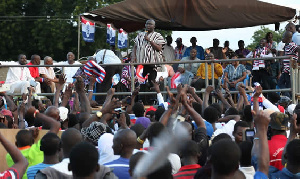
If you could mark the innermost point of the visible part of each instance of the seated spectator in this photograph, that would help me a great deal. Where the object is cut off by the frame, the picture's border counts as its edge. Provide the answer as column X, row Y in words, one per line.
column 48, row 73
column 200, row 79
column 51, row 147
column 34, row 71
column 234, row 74
column 191, row 67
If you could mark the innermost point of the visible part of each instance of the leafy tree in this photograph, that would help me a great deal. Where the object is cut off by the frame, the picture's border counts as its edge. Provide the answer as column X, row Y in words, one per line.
column 261, row 33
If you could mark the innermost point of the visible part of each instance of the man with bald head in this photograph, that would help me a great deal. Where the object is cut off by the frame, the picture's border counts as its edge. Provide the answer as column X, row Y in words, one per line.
column 290, row 49
column 124, row 143
column 296, row 35
column 48, row 74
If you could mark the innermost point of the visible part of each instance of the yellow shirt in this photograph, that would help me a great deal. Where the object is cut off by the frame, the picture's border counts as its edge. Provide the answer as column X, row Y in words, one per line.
column 217, row 69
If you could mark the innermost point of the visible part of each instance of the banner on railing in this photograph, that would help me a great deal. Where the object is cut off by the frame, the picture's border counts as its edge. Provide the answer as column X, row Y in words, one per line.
column 122, row 39
column 88, row 30
column 111, row 35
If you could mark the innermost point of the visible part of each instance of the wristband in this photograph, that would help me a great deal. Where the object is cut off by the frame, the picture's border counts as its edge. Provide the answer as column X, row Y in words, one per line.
column 255, row 138
column 35, row 112
column 90, row 90
column 140, row 140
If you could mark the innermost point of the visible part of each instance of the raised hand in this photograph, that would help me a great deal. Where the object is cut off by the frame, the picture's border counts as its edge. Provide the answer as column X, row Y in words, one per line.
column 136, row 91
column 62, row 79
column 79, row 84
column 209, row 89
column 155, row 87
column 258, row 91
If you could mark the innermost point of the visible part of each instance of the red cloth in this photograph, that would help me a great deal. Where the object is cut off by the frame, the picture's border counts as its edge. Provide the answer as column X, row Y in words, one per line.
column 281, row 109
column 150, row 109
column 34, row 71
column 9, row 173
column 276, row 147
column 187, row 172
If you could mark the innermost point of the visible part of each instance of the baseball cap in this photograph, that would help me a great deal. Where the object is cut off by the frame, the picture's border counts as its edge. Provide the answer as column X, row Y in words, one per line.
column 94, row 131
column 291, row 109
column 152, row 108
column 284, row 99
column 144, row 121
column 178, row 39
column 279, row 121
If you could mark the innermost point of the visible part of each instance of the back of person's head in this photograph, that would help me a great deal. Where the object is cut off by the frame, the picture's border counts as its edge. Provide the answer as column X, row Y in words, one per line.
column 158, row 113
column 190, row 149
column 83, row 160
column 293, row 152
column 24, row 138
column 163, row 172
column 72, row 120
column 225, row 157
column 50, row 144
column 197, row 107
column 245, row 147
column 69, row 139
column 138, row 109
column 218, row 107
column 273, row 97
column 222, row 136
column 138, row 129
column 240, row 124
column 231, row 111
column 124, row 142
column 211, row 114
column 247, row 114
column 154, row 131
column 29, row 119
column 134, row 159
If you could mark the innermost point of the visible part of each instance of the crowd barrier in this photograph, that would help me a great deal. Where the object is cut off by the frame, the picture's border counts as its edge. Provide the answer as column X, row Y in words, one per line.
column 295, row 74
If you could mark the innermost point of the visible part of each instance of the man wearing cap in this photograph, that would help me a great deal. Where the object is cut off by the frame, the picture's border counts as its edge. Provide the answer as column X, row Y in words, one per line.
column 278, row 124
column 199, row 49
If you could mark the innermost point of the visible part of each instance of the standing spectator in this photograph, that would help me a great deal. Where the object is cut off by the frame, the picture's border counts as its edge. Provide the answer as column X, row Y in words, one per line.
column 272, row 45
column 296, row 35
column 179, row 52
column 199, row 49
column 69, row 71
column 216, row 50
column 290, row 49
column 169, row 52
column 229, row 50
column 242, row 51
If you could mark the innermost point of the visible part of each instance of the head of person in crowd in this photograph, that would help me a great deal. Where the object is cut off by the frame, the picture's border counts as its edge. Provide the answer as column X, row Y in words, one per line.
column 247, row 115
column 93, row 132
column 53, row 111
column 216, row 43
column 273, row 97
column 284, row 101
column 185, row 125
column 84, row 161
column 292, row 155
column 193, row 41
column 278, row 123
column 48, row 61
column 163, row 172
column 179, row 42
column 269, row 37
column 241, row 44
column 290, row 27
column 138, row 129
column 124, row 143
column 71, row 57
column 239, row 130
column 193, row 54
column 151, row 115
column 154, row 130
column 169, row 40
column 51, row 147
column 262, row 43
column 225, row 157
column 3, row 120
column 226, row 44
column 190, row 154
column 211, row 114
column 246, row 148
column 134, row 159
column 22, row 59
column 69, row 139
column 287, row 37
column 231, row 111
column 150, row 25
column 138, row 109
column 24, row 138
column 158, row 113
column 35, row 59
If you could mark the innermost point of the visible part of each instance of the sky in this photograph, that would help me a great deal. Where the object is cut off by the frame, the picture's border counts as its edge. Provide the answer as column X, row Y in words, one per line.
column 204, row 38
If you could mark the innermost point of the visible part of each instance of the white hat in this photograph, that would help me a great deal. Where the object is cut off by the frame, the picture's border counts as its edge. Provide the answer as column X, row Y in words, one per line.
column 63, row 113
column 291, row 108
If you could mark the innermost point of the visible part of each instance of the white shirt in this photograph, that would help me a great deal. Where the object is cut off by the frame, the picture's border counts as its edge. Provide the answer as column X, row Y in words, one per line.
column 296, row 38
column 69, row 71
column 63, row 166
column 280, row 46
column 109, row 58
column 49, row 72
column 16, row 74
column 227, row 128
column 249, row 172
column 169, row 53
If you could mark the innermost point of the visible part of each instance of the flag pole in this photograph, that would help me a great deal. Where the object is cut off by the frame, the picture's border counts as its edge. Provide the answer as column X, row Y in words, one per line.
column 78, row 43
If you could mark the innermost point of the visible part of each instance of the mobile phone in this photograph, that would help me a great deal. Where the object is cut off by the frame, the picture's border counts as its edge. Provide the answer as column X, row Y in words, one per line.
column 249, row 135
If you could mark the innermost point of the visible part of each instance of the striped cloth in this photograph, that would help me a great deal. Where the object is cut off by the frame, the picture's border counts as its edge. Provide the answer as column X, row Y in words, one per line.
column 259, row 63
column 290, row 49
column 92, row 68
column 144, row 51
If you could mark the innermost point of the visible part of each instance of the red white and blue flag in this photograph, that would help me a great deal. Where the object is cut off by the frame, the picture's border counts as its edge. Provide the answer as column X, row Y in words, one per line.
column 175, row 80
column 92, row 68
column 111, row 35
column 88, row 30
column 122, row 39
column 139, row 74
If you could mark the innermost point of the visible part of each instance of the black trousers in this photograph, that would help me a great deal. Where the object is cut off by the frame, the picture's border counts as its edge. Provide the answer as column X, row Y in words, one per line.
column 262, row 77
column 200, row 83
column 46, row 89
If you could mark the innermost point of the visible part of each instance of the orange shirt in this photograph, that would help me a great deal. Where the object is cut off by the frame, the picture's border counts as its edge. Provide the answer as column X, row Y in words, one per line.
column 218, row 71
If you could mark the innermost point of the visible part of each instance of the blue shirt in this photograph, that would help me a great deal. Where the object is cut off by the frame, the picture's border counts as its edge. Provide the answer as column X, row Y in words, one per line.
column 283, row 174
column 120, row 167
column 260, row 175
column 31, row 172
column 200, row 52
column 235, row 73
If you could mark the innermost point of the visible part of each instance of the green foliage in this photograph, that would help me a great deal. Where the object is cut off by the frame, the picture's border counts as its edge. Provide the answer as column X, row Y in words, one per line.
column 55, row 36
column 261, row 33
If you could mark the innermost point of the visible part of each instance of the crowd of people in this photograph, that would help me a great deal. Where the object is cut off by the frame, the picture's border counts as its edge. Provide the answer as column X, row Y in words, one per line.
column 183, row 135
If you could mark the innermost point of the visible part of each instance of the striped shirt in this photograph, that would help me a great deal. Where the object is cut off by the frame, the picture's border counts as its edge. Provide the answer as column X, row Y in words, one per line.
column 145, row 53
column 259, row 63
column 31, row 172
column 121, row 167
column 290, row 49
column 187, row 172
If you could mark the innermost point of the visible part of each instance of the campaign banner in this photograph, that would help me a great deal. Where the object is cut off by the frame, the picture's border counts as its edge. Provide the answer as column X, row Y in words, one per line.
column 88, row 30
column 111, row 35
column 122, row 39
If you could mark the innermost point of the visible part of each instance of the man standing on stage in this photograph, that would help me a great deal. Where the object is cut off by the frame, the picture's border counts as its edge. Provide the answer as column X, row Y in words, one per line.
column 148, row 49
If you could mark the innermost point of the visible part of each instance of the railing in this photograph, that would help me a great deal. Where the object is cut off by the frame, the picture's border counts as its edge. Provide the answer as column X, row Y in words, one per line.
column 295, row 74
